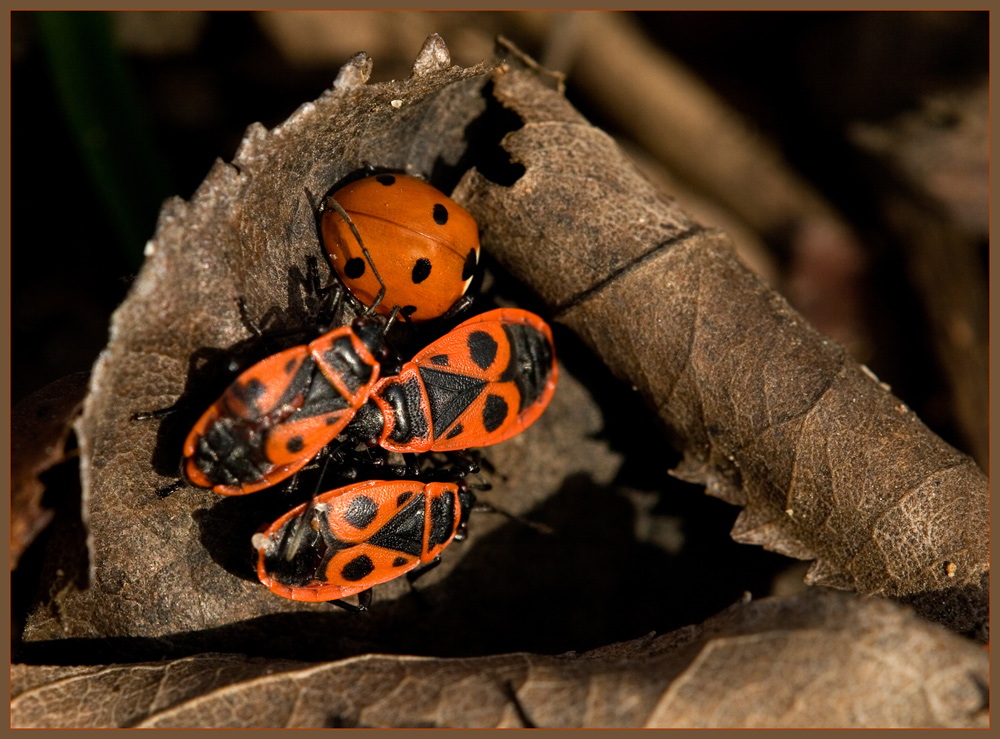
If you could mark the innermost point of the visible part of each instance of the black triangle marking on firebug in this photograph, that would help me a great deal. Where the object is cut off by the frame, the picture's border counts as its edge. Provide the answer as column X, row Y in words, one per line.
column 404, row 532
column 449, row 394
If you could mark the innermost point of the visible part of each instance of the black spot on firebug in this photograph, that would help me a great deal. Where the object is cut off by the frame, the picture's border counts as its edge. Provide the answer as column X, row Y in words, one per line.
column 253, row 390
column 361, row 512
column 494, row 412
column 482, row 348
column 358, row 568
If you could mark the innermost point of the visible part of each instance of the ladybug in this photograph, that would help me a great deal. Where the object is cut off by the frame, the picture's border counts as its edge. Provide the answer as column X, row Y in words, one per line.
column 425, row 245
column 281, row 412
column 347, row 540
column 482, row 383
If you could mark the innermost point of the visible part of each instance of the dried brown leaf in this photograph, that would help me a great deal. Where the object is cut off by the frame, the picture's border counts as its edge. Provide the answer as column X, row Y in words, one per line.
column 771, row 416
column 40, row 427
column 822, row 660
column 828, row 464
column 181, row 565
column 939, row 212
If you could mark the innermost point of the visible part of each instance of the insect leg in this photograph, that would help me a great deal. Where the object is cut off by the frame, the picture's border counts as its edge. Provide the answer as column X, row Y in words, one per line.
column 364, row 601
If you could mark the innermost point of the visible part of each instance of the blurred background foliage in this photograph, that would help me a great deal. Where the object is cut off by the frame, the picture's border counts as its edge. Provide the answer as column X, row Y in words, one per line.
column 113, row 112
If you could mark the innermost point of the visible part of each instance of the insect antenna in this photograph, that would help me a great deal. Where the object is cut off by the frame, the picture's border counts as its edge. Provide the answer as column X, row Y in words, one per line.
column 331, row 201
column 151, row 415
column 296, row 535
column 541, row 528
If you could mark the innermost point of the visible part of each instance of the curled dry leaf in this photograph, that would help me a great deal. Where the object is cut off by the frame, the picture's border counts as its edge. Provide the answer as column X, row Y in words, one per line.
column 40, row 427
column 183, row 565
column 248, row 232
column 822, row 660
column 772, row 416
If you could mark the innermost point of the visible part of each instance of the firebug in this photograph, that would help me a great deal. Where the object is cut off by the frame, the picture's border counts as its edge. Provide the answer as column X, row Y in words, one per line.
column 347, row 540
column 482, row 383
column 281, row 412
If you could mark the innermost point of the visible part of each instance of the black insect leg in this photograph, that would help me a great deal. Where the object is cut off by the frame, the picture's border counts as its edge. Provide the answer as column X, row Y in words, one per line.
column 269, row 318
column 364, row 601
column 457, row 308
column 411, row 466
column 485, row 464
column 176, row 485
column 354, row 464
column 170, row 489
column 332, row 299
column 414, row 575
column 248, row 321
column 464, row 461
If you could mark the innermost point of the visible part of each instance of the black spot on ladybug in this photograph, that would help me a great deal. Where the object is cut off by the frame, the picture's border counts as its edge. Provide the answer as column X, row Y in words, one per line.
column 440, row 214
column 362, row 512
column 441, row 360
column 358, row 568
column 408, row 310
column 330, row 420
column 494, row 412
column 354, row 268
column 455, row 431
column 469, row 268
column 399, row 561
column 385, row 179
column 290, row 366
column 421, row 270
column 295, row 444
column 482, row 348
column 403, row 497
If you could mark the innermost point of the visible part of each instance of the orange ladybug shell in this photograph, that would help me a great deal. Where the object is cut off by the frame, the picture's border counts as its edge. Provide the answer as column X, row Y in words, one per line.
column 424, row 244
column 350, row 539
column 482, row 383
